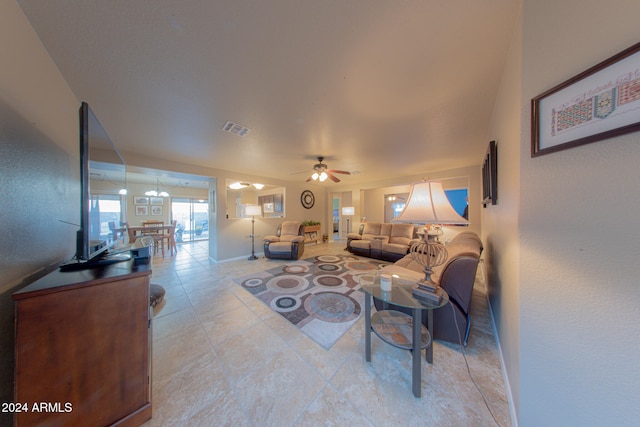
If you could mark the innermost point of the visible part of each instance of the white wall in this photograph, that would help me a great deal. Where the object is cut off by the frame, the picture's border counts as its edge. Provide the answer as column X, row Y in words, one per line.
column 579, row 294
column 500, row 222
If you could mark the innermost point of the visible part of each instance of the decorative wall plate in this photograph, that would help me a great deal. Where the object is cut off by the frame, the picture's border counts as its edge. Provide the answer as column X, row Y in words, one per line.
column 307, row 199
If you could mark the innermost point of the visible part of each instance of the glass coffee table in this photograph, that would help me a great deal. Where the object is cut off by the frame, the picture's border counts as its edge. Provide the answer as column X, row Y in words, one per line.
column 397, row 328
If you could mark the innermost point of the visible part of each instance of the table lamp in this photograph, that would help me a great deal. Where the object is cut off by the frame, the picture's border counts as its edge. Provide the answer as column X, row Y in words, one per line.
column 428, row 204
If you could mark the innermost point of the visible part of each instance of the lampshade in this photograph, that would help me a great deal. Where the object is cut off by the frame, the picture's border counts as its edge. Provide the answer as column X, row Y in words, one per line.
column 428, row 204
column 253, row 210
column 348, row 211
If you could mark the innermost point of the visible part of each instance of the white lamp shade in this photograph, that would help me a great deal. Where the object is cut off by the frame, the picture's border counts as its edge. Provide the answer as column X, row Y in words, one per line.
column 428, row 204
column 253, row 210
column 348, row 211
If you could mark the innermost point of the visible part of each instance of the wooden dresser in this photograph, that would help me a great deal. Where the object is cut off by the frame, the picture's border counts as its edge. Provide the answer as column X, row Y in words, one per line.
column 83, row 348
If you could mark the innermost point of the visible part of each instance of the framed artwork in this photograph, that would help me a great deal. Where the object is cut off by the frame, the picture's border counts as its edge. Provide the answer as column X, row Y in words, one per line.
column 142, row 210
column 141, row 200
column 157, row 200
column 156, row 210
column 490, row 176
column 599, row 103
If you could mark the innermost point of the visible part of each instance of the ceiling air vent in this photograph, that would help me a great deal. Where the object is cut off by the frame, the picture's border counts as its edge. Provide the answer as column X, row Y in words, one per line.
column 235, row 129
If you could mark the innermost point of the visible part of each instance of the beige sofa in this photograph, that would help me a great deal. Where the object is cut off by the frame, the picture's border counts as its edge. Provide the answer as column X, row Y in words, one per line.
column 385, row 241
column 456, row 276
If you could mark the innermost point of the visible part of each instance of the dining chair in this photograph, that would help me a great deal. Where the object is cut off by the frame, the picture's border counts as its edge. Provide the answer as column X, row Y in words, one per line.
column 156, row 230
column 171, row 237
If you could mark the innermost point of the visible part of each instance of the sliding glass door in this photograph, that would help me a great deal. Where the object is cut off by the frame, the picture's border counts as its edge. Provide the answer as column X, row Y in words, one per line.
column 192, row 216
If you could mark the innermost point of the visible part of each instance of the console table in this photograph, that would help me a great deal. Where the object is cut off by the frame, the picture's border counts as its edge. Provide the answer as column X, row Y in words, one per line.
column 83, row 347
column 397, row 328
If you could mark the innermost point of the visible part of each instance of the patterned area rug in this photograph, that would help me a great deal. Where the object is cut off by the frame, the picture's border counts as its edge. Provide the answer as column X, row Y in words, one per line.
column 320, row 295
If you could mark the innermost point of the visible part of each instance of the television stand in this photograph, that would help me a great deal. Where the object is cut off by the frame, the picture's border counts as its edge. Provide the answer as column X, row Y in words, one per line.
column 101, row 261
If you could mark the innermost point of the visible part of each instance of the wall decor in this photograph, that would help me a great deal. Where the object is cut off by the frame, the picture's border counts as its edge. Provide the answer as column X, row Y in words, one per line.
column 599, row 103
column 157, row 200
column 490, row 176
column 142, row 210
column 141, row 200
column 307, row 199
column 156, row 210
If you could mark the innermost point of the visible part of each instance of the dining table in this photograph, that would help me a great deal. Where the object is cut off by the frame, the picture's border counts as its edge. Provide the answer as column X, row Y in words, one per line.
column 159, row 233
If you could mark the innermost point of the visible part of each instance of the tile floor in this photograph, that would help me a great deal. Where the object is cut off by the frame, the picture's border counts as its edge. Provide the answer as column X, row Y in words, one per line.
column 221, row 357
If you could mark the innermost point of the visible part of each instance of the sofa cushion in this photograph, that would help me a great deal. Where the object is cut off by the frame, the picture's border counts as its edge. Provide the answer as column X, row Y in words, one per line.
column 289, row 230
column 401, row 234
column 466, row 243
column 361, row 244
column 395, row 248
column 371, row 230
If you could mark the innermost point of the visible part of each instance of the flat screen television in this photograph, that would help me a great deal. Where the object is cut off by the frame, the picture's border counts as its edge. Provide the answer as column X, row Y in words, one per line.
column 98, row 156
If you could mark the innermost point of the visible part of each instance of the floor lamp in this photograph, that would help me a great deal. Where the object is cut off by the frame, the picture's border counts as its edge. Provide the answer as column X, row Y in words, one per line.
column 348, row 212
column 253, row 211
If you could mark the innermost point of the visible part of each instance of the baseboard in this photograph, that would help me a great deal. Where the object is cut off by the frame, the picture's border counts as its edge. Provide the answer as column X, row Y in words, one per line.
column 505, row 375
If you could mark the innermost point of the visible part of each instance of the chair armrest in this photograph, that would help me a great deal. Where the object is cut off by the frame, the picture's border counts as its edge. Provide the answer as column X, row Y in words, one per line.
column 271, row 239
column 297, row 239
column 354, row 236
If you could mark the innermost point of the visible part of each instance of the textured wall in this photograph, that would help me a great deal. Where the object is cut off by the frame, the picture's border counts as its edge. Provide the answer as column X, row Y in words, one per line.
column 39, row 172
column 579, row 293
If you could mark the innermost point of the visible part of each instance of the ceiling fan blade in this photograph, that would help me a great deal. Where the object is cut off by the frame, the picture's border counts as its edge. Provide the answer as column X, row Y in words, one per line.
column 337, row 171
column 309, row 179
column 332, row 178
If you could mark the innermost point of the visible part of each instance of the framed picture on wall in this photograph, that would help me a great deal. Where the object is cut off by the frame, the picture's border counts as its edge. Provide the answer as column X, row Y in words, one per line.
column 156, row 210
column 157, row 200
column 142, row 210
column 141, row 200
column 490, row 176
column 601, row 102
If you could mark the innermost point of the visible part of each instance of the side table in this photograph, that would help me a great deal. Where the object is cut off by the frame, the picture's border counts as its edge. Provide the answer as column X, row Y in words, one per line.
column 399, row 329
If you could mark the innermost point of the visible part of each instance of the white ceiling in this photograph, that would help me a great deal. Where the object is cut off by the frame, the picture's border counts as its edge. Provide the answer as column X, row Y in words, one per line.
column 385, row 88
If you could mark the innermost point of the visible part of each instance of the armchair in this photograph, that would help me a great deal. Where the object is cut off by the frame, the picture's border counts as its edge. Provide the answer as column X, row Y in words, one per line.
column 288, row 243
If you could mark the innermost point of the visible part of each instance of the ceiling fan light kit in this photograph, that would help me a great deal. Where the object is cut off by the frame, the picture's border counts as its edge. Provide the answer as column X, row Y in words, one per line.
column 321, row 173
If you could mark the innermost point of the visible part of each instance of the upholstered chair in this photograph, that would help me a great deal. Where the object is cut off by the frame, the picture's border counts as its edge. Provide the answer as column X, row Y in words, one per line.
column 288, row 243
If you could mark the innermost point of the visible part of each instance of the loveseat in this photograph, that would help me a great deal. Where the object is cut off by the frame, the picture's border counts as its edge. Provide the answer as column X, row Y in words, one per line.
column 384, row 241
column 456, row 276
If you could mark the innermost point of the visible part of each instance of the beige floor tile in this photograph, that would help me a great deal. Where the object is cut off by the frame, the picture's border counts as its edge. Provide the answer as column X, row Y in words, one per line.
column 222, row 357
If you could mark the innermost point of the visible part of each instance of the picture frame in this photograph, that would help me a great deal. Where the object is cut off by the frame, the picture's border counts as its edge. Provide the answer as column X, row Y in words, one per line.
column 142, row 210
column 156, row 210
column 156, row 200
column 490, row 176
column 140, row 200
column 599, row 103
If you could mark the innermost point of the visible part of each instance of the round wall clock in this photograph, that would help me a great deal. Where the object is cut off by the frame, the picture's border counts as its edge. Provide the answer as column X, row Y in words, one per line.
column 307, row 199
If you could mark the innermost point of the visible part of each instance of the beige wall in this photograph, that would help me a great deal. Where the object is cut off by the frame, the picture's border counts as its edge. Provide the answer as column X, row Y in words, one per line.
column 562, row 251
column 500, row 222
column 39, row 171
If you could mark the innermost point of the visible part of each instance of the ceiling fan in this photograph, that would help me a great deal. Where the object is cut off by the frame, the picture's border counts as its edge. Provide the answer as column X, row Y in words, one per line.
column 321, row 173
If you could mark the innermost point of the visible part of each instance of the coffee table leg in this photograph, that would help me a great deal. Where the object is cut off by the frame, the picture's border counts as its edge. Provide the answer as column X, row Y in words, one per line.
column 367, row 327
column 429, row 350
column 417, row 369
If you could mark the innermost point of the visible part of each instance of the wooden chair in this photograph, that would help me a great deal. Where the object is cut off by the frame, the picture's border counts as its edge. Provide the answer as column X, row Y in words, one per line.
column 171, row 238
column 156, row 230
